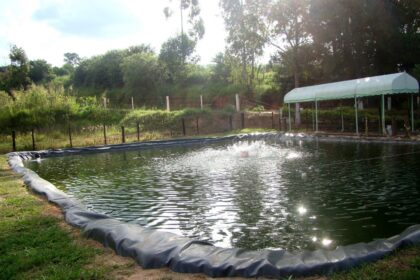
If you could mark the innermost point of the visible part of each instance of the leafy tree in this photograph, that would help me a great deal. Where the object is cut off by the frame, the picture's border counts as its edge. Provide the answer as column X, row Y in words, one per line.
column 72, row 58
column 142, row 74
column 16, row 75
column 221, row 71
column 244, row 21
column 174, row 53
column 40, row 71
column 287, row 19
column 196, row 25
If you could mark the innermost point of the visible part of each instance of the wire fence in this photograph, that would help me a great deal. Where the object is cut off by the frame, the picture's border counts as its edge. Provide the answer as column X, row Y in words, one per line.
column 244, row 112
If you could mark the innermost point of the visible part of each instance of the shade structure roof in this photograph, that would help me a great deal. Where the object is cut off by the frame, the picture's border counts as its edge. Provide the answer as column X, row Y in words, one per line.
column 363, row 87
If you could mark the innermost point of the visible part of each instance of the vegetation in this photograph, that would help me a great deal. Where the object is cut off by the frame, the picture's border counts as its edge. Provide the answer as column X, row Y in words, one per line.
column 58, row 253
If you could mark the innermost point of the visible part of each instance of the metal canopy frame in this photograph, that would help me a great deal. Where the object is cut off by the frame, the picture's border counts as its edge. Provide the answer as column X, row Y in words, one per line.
column 397, row 83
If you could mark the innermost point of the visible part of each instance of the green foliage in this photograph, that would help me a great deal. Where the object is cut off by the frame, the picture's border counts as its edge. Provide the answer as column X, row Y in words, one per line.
column 16, row 75
column 142, row 74
column 41, row 107
column 175, row 53
column 40, row 71
column 157, row 120
column 104, row 71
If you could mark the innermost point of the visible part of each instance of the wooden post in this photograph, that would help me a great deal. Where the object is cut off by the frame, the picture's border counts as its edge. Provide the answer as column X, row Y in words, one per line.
column 168, row 105
column 105, row 140
column 272, row 120
column 243, row 120
column 33, row 140
column 196, row 126
column 201, row 102
column 230, row 122
column 183, row 127
column 138, row 132
column 132, row 103
column 123, row 134
column 14, row 140
column 70, row 139
column 238, row 103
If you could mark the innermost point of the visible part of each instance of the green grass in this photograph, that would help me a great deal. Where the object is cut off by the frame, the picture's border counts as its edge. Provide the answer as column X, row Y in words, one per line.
column 33, row 245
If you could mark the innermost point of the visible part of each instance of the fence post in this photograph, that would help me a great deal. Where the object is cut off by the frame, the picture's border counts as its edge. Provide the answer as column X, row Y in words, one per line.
column 243, row 120
column 123, row 134
column 33, row 140
column 238, row 103
column 196, row 126
column 132, row 103
column 70, row 139
column 183, row 127
column 14, row 140
column 230, row 122
column 105, row 140
column 272, row 120
column 138, row 132
column 168, row 105
column 201, row 102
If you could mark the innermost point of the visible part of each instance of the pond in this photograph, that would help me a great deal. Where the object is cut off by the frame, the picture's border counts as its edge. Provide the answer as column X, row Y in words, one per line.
column 287, row 194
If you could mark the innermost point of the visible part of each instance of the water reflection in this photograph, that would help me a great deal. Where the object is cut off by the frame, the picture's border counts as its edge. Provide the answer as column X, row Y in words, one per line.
column 252, row 194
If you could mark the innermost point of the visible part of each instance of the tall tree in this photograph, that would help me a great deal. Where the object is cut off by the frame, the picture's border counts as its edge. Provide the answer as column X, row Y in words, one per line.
column 174, row 53
column 72, row 58
column 40, row 71
column 287, row 19
column 16, row 74
column 142, row 74
column 195, row 22
column 244, row 21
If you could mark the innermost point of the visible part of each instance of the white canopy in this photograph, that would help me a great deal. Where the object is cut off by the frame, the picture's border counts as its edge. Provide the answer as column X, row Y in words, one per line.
column 370, row 86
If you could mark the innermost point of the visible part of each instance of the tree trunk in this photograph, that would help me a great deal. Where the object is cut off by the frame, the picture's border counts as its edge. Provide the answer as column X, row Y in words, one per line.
column 297, row 84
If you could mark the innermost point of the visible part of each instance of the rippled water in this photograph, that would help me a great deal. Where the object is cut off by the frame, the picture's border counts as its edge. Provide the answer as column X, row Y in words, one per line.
column 252, row 194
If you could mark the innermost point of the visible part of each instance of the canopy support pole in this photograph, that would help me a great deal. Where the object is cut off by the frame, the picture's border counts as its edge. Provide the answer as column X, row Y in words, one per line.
column 313, row 119
column 316, row 115
column 412, row 113
column 356, row 115
column 290, row 120
column 383, row 114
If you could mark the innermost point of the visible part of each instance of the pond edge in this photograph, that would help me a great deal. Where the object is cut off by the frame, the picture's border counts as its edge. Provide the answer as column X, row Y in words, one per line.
column 154, row 249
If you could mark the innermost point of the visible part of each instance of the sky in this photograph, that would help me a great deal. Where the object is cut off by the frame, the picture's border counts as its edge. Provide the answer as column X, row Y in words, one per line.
column 46, row 29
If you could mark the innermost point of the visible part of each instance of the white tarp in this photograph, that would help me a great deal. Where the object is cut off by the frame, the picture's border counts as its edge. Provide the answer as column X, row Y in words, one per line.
column 370, row 86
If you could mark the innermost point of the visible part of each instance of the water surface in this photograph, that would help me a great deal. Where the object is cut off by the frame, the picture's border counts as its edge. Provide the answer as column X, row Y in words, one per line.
column 252, row 194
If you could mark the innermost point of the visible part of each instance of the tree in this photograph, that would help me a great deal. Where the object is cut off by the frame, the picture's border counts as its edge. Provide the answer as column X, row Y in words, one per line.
column 40, row 71
column 196, row 25
column 221, row 70
column 142, row 74
column 174, row 53
column 72, row 58
column 16, row 74
column 244, row 21
column 287, row 21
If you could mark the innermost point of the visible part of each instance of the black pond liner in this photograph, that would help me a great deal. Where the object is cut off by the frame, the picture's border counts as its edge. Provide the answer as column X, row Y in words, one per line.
column 154, row 249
